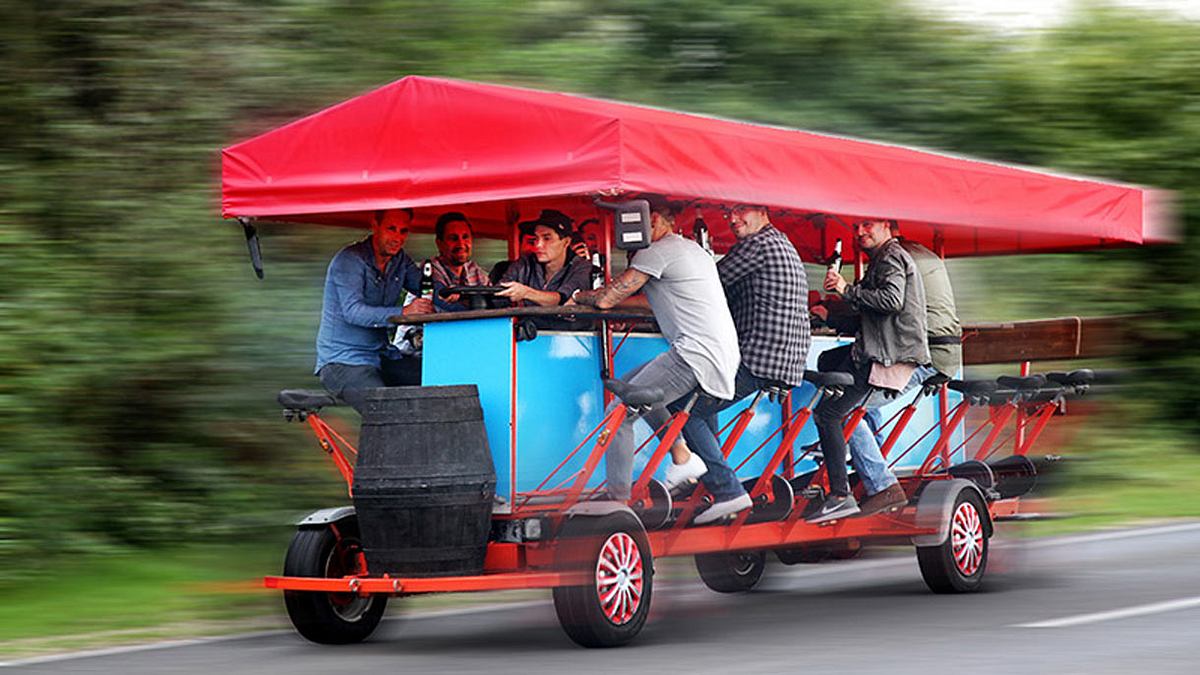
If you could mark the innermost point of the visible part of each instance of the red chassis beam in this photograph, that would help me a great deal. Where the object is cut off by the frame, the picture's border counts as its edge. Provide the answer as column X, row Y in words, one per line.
column 663, row 543
column 502, row 581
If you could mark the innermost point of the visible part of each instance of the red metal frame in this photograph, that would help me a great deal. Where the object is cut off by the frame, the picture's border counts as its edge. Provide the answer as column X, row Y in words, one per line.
column 531, row 565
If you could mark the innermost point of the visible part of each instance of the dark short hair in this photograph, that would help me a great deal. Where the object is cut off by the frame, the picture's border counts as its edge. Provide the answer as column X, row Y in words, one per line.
column 751, row 207
column 382, row 213
column 661, row 205
column 589, row 221
column 439, row 229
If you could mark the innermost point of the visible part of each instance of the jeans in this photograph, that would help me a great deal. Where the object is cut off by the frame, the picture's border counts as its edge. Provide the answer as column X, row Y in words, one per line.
column 700, row 432
column 347, row 383
column 829, row 416
column 864, row 443
column 667, row 371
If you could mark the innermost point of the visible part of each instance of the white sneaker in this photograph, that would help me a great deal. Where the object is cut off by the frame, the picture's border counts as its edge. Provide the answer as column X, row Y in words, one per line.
column 688, row 472
column 721, row 509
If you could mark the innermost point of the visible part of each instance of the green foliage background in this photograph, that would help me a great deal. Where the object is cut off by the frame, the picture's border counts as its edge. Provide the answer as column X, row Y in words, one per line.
column 139, row 358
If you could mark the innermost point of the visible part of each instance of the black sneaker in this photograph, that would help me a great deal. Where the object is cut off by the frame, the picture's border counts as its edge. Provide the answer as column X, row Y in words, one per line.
column 834, row 508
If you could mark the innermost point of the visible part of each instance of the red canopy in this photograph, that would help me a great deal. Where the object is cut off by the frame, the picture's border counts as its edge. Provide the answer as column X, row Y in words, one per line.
column 501, row 152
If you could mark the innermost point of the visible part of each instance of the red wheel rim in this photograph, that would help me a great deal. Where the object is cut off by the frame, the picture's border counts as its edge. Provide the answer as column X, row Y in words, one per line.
column 966, row 539
column 619, row 578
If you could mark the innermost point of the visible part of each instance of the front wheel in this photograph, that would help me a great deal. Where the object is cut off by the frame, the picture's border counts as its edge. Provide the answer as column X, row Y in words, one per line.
column 614, row 553
column 731, row 572
column 957, row 564
column 329, row 618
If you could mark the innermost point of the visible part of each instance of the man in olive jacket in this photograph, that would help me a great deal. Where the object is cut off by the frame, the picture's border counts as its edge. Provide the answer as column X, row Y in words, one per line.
column 889, row 346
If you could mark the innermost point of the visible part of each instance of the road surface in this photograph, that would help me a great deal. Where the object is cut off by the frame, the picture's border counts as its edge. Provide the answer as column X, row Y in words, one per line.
column 1119, row 602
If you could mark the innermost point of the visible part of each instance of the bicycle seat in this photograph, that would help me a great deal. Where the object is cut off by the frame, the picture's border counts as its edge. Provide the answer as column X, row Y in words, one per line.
column 933, row 383
column 1075, row 378
column 1027, row 385
column 305, row 399
column 632, row 396
column 976, row 391
column 836, row 379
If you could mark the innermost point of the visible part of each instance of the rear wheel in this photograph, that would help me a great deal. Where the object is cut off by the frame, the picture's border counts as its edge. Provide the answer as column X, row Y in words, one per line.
column 957, row 564
column 615, row 555
column 329, row 618
column 733, row 572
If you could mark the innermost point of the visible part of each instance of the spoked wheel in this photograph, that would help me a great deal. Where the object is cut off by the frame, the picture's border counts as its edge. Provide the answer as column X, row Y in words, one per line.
column 957, row 565
column 613, row 551
column 329, row 618
column 732, row 572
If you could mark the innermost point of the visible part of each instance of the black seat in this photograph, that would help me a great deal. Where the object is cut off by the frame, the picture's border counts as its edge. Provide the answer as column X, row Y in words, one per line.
column 836, row 379
column 1075, row 378
column 974, row 387
column 634, row 397
column 977, row 392
column 933, row 383
column 1026, row 385
column 305, row 399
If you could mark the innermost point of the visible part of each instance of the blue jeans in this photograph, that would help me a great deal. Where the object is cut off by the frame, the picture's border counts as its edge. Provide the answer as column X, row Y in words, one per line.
column 864, row 444
column 670, row 373
column 700, row 432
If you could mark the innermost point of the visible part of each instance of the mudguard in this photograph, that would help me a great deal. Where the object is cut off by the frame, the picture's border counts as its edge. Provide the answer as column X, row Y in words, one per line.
column 935, row 507
column 326, row 516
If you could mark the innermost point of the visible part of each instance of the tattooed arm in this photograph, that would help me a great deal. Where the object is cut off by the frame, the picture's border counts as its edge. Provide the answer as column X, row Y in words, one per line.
column 610, row 296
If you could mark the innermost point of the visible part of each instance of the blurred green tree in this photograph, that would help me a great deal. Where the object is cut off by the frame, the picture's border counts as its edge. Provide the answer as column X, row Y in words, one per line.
column 138, row 358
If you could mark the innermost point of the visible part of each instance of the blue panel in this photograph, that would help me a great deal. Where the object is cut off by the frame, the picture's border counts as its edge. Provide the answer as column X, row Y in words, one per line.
column 478, row 352
column 559, row 401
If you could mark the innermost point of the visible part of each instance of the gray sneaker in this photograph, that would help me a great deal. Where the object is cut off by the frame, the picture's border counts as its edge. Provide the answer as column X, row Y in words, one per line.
column 724, row 509
column 834, row 508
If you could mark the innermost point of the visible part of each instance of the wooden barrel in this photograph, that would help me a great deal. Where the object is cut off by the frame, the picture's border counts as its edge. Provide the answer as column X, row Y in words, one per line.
column 424, row 481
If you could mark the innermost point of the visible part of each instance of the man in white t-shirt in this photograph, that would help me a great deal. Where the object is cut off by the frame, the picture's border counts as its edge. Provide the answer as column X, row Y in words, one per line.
column 680, row 284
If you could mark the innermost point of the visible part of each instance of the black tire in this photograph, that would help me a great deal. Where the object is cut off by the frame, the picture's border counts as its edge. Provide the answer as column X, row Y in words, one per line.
column 958, row 564
column 803, row 555
column 593, row 545
column 329, row 618
column 734, row 572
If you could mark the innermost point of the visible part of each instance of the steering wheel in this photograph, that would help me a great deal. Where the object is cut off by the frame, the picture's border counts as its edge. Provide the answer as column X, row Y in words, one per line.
column 474, row 297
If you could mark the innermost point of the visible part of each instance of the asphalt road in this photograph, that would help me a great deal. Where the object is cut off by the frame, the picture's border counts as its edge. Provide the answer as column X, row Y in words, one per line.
column 1103, row 603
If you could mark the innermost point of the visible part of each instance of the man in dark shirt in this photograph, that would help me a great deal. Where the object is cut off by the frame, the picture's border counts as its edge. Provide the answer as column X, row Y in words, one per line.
column 363, row 287
column 550, row 274
column 889, row 348
column 767, row 290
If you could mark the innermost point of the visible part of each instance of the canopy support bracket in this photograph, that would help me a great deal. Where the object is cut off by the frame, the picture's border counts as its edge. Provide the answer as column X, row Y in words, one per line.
column 252, row 244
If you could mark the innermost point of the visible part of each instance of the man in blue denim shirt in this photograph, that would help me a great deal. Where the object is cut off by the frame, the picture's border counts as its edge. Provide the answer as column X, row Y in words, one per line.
column 363, row 286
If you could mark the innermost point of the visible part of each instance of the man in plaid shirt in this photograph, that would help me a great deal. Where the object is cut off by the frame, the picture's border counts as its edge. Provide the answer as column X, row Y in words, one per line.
column 767, row 291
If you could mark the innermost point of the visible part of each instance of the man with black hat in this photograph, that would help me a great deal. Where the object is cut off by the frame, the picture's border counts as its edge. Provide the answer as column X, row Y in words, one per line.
column 681, row 286
column 550, row 274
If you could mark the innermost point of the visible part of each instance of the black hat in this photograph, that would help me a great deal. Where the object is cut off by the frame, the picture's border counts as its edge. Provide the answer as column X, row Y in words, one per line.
column 555, row 220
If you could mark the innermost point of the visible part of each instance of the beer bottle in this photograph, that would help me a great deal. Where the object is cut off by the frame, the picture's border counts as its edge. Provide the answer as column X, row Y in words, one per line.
column 700, row 234
column 597, row 270
column 835, row 261
column 427, row 280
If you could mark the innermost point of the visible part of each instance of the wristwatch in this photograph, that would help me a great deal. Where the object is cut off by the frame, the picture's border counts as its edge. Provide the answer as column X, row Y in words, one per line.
column 574, row 296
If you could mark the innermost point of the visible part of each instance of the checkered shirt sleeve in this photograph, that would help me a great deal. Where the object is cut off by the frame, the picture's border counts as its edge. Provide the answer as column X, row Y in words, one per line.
column 767, row 290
